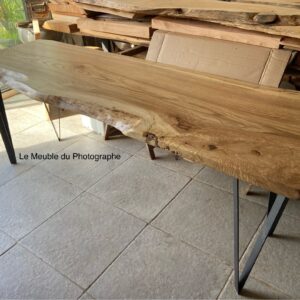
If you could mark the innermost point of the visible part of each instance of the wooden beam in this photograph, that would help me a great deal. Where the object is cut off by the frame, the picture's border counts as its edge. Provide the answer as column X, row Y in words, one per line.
column 64, row 18
column 67, row 9
column 216, row 31
column 60, row 26
column 36, row 29
column 288, row 31
column 106, row 10
column 8, row 94
column 290, row 43
column 284, row 7
column 117, row 26
column 246, row 131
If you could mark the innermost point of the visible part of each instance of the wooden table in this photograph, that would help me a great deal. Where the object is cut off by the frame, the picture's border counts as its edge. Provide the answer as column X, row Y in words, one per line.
column 245, row 131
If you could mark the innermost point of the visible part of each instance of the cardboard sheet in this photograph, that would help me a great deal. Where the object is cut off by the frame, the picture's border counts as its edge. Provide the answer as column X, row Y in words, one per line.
column 234, row 60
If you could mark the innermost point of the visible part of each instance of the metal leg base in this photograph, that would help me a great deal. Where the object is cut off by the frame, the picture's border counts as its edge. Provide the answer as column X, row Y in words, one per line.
column 57, row 133
column 5, row 133
column 276, row 207
column 151, row 151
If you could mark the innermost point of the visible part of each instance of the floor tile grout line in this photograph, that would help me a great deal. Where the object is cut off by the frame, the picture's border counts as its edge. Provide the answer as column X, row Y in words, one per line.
column 250, row 199
column 251, row 243
column 19, row 243
column 226, row 284
column 49, row 217
column 212, row 256
column 275, row 288
column 49, row 265
column 24, row 129
column 137, row 156
column 112, row 262
column 229, row 192
column 5, row 233
column 90, row 186
column 8, row 249
column 110, row 171
column 202, row 168
column 31, row 167
column 130, row 214
column 116, row 207
column 251, row 276
column 16, row 176
column 173, row 198
column 248, row 247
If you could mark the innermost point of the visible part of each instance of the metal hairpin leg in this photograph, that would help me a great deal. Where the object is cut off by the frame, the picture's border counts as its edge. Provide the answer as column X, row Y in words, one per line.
column 58, row 134
column 276, row 207
column 5, row 133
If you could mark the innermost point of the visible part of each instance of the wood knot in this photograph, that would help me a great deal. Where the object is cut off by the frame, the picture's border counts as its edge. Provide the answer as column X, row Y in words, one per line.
column 256, row 152
column 212, row 147
column 150, row 137
column 265, row 18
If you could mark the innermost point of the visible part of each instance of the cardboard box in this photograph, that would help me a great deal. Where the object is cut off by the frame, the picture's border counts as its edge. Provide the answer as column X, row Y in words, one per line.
column 254, row 64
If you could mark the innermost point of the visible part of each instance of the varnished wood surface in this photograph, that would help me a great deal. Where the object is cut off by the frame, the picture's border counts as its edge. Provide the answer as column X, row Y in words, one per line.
column 243, row 130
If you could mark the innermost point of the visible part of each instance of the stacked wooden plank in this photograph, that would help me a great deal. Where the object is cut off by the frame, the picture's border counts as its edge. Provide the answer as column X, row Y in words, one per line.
column 137, row 31
column 277, row 17
column 65, row 14
column 89, row 20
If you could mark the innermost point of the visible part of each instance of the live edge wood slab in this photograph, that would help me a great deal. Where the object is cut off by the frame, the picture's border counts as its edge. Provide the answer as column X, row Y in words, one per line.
column 246, row 131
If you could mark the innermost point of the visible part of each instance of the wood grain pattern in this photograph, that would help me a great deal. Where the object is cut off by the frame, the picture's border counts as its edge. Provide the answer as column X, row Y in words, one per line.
column 97, row 8
column 67, row 9
column 65, row 18
column 243, row 130
column 117, row 26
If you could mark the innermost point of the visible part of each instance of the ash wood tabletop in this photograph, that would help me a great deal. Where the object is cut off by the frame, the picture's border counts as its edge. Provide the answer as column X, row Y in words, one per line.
column 246, row 131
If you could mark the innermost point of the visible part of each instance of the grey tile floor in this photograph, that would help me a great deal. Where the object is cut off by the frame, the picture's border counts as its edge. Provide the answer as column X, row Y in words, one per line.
column 131, row 228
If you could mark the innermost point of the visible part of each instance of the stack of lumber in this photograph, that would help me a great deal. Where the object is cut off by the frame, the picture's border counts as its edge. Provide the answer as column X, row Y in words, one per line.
column 84, row 19
column 65, row 14
column 276, row 17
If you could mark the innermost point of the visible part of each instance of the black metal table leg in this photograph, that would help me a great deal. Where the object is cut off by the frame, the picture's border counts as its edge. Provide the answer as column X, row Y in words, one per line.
column 276, row 207
column 5, row 133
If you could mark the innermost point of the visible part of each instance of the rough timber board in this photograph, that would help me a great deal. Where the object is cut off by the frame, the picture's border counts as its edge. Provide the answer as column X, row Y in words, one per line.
column 239, row 6
column 216, row 31
column 66, row 9
column 60, row 26
column 288, row 31
column 244, row 131
column 117, row 26
column 235, row 13
column 97, row 8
